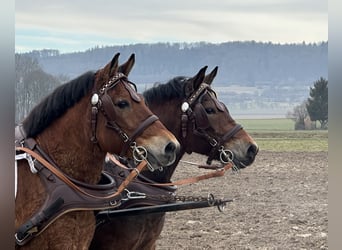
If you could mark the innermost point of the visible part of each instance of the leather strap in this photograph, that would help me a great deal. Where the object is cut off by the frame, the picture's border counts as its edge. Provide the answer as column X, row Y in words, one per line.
column 67, row 181
column 190, row 180
column 195, row 179
column 226, row 137
column 138, row 131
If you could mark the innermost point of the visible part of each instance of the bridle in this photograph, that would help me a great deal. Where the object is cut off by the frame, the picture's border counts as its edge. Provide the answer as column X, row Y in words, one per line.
column 194, row 113
column 101, row 101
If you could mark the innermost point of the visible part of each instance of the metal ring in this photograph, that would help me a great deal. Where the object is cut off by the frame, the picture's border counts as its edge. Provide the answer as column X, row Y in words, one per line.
column 139, row 153
column 211, row 199
column 226, row 155
column 221, row 206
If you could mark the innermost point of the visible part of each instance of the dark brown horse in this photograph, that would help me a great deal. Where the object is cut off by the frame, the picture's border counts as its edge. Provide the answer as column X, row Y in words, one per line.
column 210, row 130
column 76, row 126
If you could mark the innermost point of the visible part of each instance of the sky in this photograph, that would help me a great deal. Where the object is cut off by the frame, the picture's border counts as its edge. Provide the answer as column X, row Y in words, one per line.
column 78, row 25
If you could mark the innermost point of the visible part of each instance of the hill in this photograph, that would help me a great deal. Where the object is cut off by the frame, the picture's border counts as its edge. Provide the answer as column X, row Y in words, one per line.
column 258, row 77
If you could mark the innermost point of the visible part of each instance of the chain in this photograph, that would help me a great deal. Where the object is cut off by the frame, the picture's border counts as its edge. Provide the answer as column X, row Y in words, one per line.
column 173, row 197
column 210, row 199
column 190, row 198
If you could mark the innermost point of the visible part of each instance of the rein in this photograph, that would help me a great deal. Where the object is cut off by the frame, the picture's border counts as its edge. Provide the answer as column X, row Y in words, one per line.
column 191, row 180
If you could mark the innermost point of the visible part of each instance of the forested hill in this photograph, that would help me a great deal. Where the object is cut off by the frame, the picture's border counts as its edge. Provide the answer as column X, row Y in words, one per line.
column 242, row 63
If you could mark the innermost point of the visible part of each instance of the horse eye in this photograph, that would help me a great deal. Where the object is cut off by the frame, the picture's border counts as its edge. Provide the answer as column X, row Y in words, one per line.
column 210, row 110
column 122, row 104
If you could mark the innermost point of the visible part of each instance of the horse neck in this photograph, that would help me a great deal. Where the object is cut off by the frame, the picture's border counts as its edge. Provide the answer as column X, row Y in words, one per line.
column 67, row 142
column 165, row 113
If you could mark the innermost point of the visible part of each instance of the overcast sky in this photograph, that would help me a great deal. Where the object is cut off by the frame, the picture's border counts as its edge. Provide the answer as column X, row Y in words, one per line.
column 77, row 25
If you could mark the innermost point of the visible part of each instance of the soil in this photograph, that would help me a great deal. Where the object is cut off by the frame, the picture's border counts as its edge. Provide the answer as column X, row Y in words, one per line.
column 279, row 202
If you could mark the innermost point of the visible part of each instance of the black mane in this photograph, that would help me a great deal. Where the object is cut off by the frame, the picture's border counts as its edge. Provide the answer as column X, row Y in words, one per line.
column 56, row 104
column 174, row 88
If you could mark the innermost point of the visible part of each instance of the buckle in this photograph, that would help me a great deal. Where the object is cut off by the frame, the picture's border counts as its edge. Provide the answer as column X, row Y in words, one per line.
column 213, row 142
column 27, row 235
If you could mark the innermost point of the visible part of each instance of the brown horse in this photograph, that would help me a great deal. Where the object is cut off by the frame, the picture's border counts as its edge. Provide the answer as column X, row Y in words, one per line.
column 210, row 130
column 76, row 126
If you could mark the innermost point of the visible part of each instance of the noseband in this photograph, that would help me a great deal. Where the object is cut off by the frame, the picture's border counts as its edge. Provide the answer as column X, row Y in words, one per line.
column 103, row 102
column 193, row 111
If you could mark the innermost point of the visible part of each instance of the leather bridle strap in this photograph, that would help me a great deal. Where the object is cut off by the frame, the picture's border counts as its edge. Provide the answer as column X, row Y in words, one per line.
column 187, row 107
column 67, row 181
column 104, row 103
column 151, row 119
column 198, row 92
column 230, row 133
column 226, row 137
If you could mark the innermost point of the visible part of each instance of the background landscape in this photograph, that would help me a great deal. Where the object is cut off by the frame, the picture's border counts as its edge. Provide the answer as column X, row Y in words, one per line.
column 255, row 79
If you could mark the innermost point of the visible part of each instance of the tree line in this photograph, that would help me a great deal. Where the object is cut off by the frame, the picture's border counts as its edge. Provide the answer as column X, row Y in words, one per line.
column 247, row 63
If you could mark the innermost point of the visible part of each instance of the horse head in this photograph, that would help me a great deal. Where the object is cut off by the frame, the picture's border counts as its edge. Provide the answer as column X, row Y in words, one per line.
column 120, row 108
column 211, row 130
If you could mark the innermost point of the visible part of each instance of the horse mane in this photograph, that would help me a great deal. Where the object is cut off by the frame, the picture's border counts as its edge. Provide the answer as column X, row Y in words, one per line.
column 174, row 88
column 57, row 103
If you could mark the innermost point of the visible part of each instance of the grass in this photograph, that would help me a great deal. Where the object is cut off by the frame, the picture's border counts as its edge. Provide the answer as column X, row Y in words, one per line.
column 279, row 135
column 277, row 124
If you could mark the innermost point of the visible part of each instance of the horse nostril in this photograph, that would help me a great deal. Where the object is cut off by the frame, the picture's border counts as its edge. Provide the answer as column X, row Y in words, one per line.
column 170, row 148
column 253, row 150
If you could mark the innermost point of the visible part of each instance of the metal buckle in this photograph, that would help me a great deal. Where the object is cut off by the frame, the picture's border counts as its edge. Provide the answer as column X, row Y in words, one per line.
column 28, row 234
column 124, row 136
column 213, row 142
column 29, row 159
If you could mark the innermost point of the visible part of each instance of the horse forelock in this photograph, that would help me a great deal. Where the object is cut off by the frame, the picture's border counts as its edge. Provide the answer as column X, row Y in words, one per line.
column 159, row 93
column 57, row 103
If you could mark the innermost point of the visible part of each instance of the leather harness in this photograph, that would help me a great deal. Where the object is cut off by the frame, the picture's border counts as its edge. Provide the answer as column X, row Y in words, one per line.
column 65, row 194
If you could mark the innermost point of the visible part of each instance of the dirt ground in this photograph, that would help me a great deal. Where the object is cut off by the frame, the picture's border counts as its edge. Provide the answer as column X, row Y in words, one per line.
column 280, row 202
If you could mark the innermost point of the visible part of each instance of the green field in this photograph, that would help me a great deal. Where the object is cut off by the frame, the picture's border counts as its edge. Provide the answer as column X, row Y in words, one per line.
column 279, row 135
column 277, row 124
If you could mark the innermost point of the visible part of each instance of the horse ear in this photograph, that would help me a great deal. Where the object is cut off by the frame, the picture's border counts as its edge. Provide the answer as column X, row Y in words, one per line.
column 195, row 81
column 127, row 66
column 113, row 66
column 210, row 77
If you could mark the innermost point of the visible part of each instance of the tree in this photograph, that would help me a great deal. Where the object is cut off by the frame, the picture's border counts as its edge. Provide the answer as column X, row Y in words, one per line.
column 298, row 115
column 31, row 85
column 317, row 104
